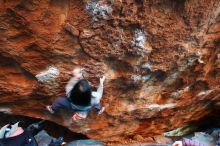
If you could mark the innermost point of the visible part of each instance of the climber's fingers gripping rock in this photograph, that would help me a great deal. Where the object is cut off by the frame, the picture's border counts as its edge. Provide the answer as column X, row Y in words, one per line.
column 102, row 79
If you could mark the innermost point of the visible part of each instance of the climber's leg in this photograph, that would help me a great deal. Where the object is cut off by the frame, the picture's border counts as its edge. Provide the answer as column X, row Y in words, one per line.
column 99, row 108
column 61, row 102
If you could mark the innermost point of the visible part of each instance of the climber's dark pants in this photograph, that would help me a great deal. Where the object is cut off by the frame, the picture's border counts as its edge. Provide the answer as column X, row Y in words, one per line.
column 65, row 103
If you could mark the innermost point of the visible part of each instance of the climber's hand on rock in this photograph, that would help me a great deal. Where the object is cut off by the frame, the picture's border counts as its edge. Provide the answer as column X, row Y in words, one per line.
column 102, row 79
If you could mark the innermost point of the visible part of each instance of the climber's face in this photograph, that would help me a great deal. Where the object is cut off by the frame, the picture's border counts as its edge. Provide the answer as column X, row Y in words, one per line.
column 77, row 73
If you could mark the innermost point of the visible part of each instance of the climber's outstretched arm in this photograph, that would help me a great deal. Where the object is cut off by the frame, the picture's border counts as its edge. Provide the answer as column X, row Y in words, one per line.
column 71, row 83
column 99, row 93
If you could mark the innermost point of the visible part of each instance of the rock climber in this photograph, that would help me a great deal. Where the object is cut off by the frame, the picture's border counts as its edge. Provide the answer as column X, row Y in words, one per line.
column 80, row 98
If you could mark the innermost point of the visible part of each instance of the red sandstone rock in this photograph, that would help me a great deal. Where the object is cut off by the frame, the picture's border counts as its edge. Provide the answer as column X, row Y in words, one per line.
column 138, row 100
column 71, row 29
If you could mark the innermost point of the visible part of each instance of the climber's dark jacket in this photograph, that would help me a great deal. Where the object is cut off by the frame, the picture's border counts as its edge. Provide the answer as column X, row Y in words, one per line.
column 24, row 139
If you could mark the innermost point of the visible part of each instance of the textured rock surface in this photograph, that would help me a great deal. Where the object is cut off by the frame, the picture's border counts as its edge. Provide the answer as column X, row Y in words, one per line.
column 161, row 59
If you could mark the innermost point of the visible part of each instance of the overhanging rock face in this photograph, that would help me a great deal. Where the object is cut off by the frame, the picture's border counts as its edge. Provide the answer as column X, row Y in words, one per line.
column 161, row 59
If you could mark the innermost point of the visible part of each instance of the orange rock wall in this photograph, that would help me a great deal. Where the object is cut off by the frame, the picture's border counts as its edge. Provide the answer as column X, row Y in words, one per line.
column 161, row 59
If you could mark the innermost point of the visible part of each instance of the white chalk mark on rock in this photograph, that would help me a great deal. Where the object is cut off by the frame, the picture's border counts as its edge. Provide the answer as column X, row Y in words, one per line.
column 136, row 78
column 50, row 74
column 139, row 42
column 140, row 38
column 146, row 66
column 5, row 110
column 180, row 92
column 161, row 106
column 204, row 93
column 98, row 10
column 152, row 107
